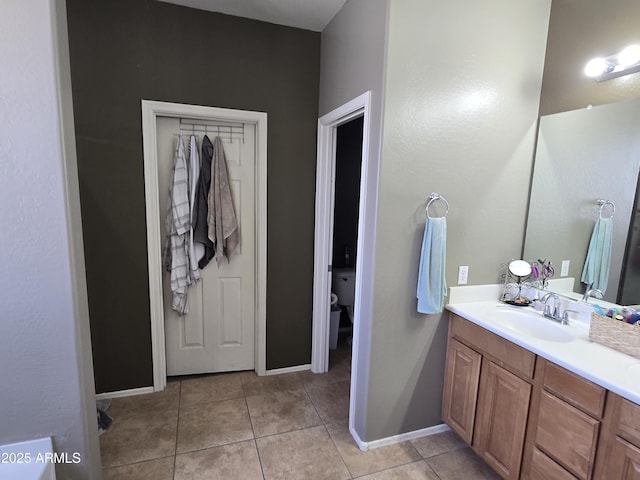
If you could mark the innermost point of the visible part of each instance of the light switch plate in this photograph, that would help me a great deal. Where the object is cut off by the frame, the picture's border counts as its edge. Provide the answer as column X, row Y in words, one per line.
column 564, row 270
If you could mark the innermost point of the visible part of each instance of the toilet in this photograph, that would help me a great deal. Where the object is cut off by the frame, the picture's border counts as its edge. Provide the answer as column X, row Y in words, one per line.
column 344, row 286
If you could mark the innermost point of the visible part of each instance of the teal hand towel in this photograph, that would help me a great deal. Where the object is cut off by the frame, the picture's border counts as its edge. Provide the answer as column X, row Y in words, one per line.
column 598, row 262
column 432, row 285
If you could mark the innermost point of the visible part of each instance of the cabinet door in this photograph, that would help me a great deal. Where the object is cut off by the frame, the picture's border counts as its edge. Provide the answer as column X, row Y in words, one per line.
column 503, row 405
column 624, row 462
column 462, row 374
column 567, row 435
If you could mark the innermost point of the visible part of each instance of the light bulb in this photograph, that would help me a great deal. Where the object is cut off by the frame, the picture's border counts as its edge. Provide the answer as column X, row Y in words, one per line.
column 629, row 56
column 595, row 67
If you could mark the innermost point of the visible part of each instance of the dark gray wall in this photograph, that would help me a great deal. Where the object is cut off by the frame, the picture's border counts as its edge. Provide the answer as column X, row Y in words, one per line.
column 123, row 51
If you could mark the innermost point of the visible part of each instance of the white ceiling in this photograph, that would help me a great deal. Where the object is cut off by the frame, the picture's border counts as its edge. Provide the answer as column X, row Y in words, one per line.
column 307, row 14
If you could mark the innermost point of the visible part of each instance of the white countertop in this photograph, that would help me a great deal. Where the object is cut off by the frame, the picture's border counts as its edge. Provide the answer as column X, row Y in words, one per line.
column 604, row 366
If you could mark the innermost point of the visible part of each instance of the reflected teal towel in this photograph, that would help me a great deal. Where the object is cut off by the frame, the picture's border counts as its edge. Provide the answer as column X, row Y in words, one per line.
column 596, row 266
column 432, row 285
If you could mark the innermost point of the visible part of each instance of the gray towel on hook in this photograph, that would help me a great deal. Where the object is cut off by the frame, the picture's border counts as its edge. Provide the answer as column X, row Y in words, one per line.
column 201, row 229
column 223, row 224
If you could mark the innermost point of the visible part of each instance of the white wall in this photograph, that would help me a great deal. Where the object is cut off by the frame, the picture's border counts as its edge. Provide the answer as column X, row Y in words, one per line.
column 352, row 62
column 46, row 369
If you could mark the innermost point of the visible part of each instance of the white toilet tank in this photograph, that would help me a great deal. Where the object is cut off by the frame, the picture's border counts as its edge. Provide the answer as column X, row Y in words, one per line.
column 344, row 285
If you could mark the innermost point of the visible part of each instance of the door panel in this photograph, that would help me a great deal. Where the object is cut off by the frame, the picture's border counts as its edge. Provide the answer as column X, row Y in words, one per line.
column 218, row 332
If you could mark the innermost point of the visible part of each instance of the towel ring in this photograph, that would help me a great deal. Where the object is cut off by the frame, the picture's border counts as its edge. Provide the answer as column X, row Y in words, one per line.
column 432, row 198
column 602, row 203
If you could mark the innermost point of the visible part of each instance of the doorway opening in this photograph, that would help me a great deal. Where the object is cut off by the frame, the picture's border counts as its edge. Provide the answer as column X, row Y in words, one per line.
column 359, row 107
column 348, row 165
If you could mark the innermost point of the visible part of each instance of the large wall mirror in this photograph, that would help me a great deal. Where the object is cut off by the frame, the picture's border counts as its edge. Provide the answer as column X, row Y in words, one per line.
column 582, row 156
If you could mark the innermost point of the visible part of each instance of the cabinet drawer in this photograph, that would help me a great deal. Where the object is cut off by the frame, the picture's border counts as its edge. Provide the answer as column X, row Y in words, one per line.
column 567, row 435
column 508, row 355
column 544, row 468
column 574, row 390
column 629, row 425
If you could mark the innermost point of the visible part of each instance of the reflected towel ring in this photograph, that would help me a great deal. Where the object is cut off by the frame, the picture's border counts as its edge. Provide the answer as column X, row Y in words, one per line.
column 602, row 203
column 432, row 198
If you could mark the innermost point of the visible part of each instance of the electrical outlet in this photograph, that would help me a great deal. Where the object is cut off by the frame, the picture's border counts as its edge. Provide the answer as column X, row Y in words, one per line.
column 463, row 274
column 564, row 271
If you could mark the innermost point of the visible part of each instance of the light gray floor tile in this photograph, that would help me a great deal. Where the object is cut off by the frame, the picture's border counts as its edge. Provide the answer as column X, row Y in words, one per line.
column 210, row 388
column 331, row 401
column 160, row 469
column 235, row 461
column 336, row 373
column 463, row 463
column 213, row 424
column 373, row 460
column 307, row 454
column 159, row 403
column 439, row 443
column 135, row 438
column 413, row 471
column 252, row 384
column 281, row 412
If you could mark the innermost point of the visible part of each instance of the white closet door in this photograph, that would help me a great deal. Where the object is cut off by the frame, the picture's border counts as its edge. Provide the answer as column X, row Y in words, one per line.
column 217, row 335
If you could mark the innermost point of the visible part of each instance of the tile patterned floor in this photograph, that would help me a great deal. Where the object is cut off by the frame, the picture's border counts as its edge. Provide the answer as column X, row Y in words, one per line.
column 241, row 426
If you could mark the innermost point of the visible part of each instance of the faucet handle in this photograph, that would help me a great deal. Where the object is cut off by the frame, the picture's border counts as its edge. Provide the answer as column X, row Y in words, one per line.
column 565, row 315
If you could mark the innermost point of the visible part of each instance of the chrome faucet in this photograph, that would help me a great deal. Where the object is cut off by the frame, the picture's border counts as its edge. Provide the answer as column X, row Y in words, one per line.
column 555, row 313
column 592, row 292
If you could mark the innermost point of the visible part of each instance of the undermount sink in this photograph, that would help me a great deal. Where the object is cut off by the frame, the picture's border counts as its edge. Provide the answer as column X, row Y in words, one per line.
column 529, row 322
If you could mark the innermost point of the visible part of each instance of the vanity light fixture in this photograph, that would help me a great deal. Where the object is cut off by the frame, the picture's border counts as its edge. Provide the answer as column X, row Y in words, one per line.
column 623, row 63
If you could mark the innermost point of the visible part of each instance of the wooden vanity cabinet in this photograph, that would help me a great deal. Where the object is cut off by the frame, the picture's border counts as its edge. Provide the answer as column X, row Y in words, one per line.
column 486, row 394
column 531, row 419
column 619, row 452
column 564, row 424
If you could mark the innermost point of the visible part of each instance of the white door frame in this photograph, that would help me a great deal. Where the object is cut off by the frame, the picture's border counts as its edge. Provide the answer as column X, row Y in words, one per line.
column 150, row 111
column 325, row 189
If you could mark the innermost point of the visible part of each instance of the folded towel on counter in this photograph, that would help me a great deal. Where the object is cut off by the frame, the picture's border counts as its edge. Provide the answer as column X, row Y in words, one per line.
column 432, row 285
column 598, row 262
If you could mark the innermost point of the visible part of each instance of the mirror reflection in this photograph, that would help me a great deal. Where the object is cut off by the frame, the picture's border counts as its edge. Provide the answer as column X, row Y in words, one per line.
column 583, row 157
column 520, row 268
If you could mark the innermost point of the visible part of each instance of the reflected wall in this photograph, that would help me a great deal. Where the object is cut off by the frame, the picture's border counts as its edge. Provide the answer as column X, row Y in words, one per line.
column 582, row 156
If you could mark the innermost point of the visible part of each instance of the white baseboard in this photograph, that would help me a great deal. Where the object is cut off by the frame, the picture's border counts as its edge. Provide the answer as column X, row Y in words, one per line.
column 297, row 368
column 124, row 393
column 403, row 437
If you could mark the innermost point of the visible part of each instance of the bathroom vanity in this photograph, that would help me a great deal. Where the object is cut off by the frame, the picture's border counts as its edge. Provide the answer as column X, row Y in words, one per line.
column 539, row 402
